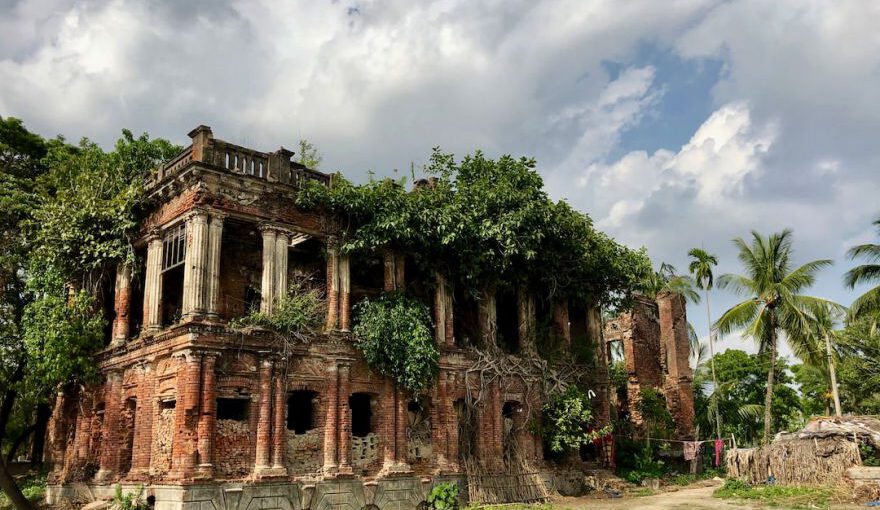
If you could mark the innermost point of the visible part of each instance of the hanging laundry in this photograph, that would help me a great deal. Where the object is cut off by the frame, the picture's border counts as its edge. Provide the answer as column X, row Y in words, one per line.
column 690, row 449
column 719, row 447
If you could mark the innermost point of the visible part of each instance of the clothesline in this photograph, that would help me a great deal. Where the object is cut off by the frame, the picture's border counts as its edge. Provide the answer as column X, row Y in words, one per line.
column 726, row 440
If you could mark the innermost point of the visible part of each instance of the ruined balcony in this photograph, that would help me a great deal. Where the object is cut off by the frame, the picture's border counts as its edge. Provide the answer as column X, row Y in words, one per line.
column 228, row 158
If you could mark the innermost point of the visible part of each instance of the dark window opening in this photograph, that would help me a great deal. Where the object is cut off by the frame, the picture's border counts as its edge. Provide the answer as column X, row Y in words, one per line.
column 511, row 409
column 507, row 314
column 232, row 409
column 172, row 296
column 241, row 269
column 301, row 411
column 307, row 263
column 548, row 342
column 107, row 301
column 136, row 297
column 168, row 404
column 421, row 282
column 466, row 319
column 367, row 277
column 361, row 414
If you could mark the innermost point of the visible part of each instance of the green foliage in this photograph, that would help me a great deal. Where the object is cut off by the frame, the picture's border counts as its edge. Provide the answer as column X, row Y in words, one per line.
column 858, row 368
column 566, row 420
column 443, row 496
column 483, row 222
column 666, row 279
column 658, row 419
column 33, row 486
column 394, row 334
column 296, row 315
column 869, row 302
column 776, row 495
column 742, row 381
column 59, row 335
column 308, row 155
column 130, row 501
column 645, row 465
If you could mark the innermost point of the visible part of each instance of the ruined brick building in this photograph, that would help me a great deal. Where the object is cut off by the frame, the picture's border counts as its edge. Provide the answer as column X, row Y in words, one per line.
column 207, row 416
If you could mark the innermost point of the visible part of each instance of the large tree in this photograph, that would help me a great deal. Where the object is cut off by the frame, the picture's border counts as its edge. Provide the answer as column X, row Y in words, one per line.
column 869, row 302
column 67, row 218
column 774, row 303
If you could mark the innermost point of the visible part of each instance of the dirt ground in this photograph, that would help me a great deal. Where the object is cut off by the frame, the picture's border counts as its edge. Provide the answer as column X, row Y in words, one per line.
column 694, row 497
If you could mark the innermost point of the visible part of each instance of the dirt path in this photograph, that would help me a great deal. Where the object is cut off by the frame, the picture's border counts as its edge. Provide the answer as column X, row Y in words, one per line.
column 691, row 498
column 695, row 497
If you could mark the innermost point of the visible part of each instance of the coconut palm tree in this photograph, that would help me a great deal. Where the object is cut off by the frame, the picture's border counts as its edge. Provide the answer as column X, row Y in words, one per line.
column 701, row 269
column 823, row 329
column 774, row 303
column 865, row 273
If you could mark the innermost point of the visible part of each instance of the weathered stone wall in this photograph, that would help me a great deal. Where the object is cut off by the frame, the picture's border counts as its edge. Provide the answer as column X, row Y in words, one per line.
column 303, row 452
column 162, row 441
column 232, row 444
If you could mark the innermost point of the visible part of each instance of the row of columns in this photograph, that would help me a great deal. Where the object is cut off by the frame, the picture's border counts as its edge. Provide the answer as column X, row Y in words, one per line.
column 338, row 288
column 271, row 426
column 201, row 275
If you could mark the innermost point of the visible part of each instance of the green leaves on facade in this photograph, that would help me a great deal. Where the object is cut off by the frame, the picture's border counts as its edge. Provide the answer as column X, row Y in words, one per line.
column 482, row 223
column 394, row 334
column 565, row 420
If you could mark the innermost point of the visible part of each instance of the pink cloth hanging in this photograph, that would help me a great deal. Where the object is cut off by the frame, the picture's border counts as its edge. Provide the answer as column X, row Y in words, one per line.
column 719, row 447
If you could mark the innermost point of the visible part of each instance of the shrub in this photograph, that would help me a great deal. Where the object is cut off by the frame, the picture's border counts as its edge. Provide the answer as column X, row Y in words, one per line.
column 443, row 496
column 296, row 315
column 131, row 501
column 567, row 417
column 394, row 334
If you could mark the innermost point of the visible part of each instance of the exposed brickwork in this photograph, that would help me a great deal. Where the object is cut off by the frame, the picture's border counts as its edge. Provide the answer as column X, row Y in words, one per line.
column 155, row 417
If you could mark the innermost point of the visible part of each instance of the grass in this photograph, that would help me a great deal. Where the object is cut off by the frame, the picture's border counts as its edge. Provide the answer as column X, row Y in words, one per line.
column 33, row 486
column 776, row 495
column 514, row 506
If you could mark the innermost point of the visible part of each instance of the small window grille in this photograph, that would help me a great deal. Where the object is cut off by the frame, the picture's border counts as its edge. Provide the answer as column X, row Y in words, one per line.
column 174, row 247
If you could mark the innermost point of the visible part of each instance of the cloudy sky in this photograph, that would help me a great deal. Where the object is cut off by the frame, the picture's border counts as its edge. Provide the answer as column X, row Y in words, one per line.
column 674, row 124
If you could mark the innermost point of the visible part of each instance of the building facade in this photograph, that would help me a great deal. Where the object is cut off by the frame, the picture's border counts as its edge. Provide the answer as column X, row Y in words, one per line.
column 205, row 415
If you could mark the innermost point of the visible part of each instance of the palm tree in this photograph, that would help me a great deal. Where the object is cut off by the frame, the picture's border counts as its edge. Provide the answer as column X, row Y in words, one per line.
column 667, row 279
column 701, row 267
column 774, row 304
column 865, row 273
column 822, row 328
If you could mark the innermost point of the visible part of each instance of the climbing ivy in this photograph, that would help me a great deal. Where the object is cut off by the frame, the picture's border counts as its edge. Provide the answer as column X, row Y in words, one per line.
column 566, row 421
column 394, row 334
column 484, row 222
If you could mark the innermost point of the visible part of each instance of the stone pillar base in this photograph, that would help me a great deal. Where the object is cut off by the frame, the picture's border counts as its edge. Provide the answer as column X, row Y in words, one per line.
column 138, row 474
column 205, row 471
column 103, row 475
column 395, row 469
column 270, row 472
column 345, row 470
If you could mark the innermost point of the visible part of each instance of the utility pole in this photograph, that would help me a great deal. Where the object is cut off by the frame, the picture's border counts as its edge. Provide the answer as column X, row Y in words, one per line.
column 833, row 373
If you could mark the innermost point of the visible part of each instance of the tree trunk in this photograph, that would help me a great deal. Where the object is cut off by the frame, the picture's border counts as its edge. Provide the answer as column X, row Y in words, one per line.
column 7, row 482
column 712, row 364
column 833, row 373
column 44, row 413
column 771, row 376
column 10, row 455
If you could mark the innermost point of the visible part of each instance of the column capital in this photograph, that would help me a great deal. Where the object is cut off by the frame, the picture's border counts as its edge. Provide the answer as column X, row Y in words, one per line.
column 154, row 234
column 217, row 216
column 196, row 214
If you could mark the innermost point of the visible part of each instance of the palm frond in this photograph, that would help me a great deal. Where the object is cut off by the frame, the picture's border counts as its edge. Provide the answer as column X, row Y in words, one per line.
column 867, row 303
column 740, row 285
column 737, row 316
column 804, row 276
column 869, row 252
column 866, row 273
column 750, row 411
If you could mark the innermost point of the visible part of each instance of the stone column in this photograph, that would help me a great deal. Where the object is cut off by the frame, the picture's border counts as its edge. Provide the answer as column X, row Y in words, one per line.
column 264, row 424
column 153, row 283
column 561, row 324
column 215, row 243
column 400, row 430
column 184, row 446
column 439, row 419
column 487, row 310
column 282, row 240
column 440, row 310
column 451, row 420
column 109, row 461
column 195, row 264
column 267, row 302
column 387, row 427
column 331, row 425
column 344, row 419
column 394, row 271
column 208, row 416
column 142, row 448
column 121, row 304
column 279, row 423
column 526, row 306
column 344, row 293
column 332, row 285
